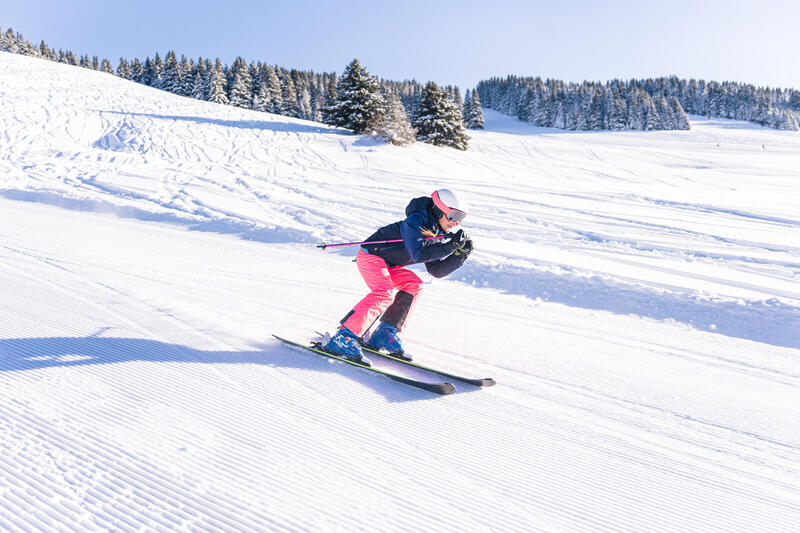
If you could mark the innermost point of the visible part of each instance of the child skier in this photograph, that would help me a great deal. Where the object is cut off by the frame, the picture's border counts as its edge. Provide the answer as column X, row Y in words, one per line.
column 425, row 239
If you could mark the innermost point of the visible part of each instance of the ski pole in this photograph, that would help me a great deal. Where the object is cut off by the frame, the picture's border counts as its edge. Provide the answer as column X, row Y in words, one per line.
column 323, row 245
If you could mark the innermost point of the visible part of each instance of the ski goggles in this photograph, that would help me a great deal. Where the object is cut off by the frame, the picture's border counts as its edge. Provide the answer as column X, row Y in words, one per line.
column 455, row 216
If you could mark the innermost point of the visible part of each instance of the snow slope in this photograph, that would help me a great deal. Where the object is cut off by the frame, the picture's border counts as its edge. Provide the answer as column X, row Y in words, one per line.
column 635, row 296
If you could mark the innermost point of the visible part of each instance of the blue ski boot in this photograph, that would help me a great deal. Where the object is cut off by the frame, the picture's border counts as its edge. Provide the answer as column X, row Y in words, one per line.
column 344, row 343
column 385, row 338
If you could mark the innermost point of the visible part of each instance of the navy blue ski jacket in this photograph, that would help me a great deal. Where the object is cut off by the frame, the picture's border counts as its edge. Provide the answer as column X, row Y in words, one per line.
column 415, row 248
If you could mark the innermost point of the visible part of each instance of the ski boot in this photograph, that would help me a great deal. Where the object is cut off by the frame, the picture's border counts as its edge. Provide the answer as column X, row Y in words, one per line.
column 344, row 343
column 385, row 338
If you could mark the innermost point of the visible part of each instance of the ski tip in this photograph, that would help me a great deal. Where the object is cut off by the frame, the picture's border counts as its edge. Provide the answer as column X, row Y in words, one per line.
column 487, row 382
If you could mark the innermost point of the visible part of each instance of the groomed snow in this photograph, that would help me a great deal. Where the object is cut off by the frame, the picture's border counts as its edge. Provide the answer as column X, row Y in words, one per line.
column 635, row 295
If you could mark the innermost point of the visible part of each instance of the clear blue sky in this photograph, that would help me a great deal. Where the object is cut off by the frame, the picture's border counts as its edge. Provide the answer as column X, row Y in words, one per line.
column 458, row 42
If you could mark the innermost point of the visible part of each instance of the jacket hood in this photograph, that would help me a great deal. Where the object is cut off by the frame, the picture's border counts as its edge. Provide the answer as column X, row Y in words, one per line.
column 423, row 203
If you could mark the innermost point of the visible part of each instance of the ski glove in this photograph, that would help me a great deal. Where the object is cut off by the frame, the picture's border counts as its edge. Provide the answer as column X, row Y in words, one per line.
column 456, row 241
column 465, row 248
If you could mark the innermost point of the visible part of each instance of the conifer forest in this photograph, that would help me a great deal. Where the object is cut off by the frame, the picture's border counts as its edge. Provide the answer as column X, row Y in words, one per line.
column 401, row 112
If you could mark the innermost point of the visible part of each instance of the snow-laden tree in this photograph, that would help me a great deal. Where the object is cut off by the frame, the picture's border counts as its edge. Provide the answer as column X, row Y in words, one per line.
column 274, row 90
column 153, row 72
column 172, row 76
column 438, row 120
column 596, row 113
column 679, row 116
column 455, row 96
column 359, row 101
column 241, row 85
column 45, row 52
column 187, row 69
column 25, row 47
column 105, row 66
column 651, row 119
column 289, row 97
column 8, row 42
column 199, row 89
column 616, row 113
column 216, row 84
column 329, row 104
column 304, row 103
column 317, row 101
column 636, row 113
column 124, row 69
column 473, row 113
column 137, row 71
column 261, row 99
column 393, row 125
column 794, row 99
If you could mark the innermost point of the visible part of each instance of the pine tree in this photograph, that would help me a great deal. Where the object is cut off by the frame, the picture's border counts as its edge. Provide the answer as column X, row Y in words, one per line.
column 261, row 101
column 153, row 71
column 559, row 114
column 304, row 104
column 467, row 107
column 617, row 113
column 9, row 42
column 289, row 97
column 359, row 100
column 124, row 69
column 171, row 76
column 455, row 95
column 393, row 125
column 329, row 104
column 794, row 99
column 473, row 114
column 578, row 119
column 317, row 101
column 274, row 90
column 596, row 118
column 651, row 119
column 666, row 118
column 44, row 51
column 71, row 58
column 438, row 120
column 241, row 88
column 186, row 68
column 105, row 66
column 216, row 85
column 199, row 89
column 681, row 120
column 137, row 71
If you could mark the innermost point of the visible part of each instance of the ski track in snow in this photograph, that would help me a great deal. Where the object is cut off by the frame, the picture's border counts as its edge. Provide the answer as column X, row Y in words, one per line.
column 634, row 295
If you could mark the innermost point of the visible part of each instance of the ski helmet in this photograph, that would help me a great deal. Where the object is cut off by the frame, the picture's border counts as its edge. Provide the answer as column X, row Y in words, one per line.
column 450, row 204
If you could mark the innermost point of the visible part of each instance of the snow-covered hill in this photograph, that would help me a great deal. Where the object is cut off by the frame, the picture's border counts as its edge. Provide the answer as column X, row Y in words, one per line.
column 635, row 295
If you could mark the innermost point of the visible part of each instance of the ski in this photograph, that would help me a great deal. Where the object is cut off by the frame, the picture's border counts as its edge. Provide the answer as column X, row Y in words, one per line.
column 478, row 382
column 438, row 388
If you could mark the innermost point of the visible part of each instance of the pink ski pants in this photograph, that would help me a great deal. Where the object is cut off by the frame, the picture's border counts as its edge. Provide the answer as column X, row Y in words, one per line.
column 382, row 281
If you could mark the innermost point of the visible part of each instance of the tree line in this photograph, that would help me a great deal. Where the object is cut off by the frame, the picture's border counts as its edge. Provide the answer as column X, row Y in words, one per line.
column 651, row 104
column 399, row 112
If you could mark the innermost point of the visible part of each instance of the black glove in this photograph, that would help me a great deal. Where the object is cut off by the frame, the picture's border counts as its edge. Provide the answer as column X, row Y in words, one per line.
column 465, row 249
column 456, row 241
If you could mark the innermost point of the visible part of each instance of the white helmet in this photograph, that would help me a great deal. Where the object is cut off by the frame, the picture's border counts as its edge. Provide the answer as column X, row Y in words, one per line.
column 450, row 203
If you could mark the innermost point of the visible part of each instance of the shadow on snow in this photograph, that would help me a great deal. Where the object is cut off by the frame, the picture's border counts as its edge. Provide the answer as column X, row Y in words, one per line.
column 22, row 354
column 243, row 230
column 272, row 125
column 770, row 321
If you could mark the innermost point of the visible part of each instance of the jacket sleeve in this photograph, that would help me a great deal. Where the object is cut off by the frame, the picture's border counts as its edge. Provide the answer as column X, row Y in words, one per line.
column 440, row 269
column 415, row 243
